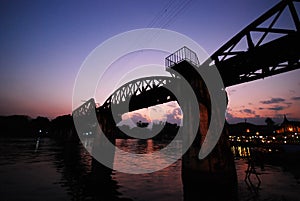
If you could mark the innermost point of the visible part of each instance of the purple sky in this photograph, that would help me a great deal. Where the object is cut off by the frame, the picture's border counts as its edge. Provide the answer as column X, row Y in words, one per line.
column 44, row 43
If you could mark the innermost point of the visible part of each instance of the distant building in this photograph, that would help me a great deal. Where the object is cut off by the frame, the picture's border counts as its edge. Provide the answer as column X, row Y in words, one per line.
column 288, row 132
column 288, row 127
column 248, row 133
column 248, row 129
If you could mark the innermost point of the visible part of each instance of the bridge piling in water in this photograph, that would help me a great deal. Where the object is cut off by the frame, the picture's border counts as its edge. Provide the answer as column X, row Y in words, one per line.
column 214, row 177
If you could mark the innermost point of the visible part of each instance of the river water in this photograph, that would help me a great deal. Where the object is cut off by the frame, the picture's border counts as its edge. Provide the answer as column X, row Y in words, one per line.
column 44, row 169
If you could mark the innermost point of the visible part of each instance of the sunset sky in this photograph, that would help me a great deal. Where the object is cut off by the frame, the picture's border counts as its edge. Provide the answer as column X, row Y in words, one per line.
column 44, row 43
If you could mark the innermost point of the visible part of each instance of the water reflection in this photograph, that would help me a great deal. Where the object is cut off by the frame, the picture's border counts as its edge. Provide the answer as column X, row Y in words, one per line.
column 44, row 169
column 267, row 182
column 86, row 179
column 37, row 144
column 66, row 171
column 28, row 172
column 82, row 176
column 240, row 152
column 163, row 185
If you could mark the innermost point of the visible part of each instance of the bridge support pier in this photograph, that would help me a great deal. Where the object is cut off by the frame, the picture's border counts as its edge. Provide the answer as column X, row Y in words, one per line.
column 104, row 144
column 211, row 178
column 214, row 177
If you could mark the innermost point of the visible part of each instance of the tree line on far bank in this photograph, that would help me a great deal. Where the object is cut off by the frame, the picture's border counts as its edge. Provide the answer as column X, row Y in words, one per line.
column 61, row 127
column 25, row 126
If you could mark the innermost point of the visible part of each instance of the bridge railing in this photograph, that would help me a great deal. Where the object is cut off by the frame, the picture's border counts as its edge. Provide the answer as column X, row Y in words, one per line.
column 180, row 55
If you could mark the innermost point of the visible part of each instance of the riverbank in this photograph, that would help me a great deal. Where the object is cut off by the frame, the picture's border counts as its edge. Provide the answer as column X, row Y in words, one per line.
column 288, row 160
column 277, row 183
column 278, row 173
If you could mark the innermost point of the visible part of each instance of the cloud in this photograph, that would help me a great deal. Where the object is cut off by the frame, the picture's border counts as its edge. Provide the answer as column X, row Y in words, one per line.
column 135, row 117
column 232, row 119
column 175, row 116
column 247, row 111
column 229, row 116
column 273, row 100
column 172, row 104
column 154, row 109
column 296, row 98
column 277, row 108
column 130, row 119
column 157, row 113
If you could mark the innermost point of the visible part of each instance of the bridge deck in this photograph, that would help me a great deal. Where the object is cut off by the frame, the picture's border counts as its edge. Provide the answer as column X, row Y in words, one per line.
column 262, row 61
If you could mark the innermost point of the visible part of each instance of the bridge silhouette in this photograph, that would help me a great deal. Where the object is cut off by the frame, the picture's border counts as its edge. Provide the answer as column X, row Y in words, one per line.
column 260, row 50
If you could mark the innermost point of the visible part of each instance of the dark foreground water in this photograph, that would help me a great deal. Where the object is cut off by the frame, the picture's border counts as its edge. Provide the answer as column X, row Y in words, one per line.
column 44, row 169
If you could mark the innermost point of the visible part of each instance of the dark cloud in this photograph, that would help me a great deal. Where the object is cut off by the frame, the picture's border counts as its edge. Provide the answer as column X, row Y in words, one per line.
column 273, row 100
column 229, row 115
column 277, row 108
column 296, row 98
column 261, row 108
column 247, row 111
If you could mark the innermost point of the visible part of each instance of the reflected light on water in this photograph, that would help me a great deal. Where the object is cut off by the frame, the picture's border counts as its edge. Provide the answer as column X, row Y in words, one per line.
column 163, row 185
column 65, row 171
column 146, row 153
column 239, row 151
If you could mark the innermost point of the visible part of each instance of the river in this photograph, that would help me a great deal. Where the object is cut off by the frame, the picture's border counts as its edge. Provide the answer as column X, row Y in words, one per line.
column 44, row 169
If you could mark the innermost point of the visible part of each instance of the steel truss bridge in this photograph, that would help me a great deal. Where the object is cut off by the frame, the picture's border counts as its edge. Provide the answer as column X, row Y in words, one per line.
column 260, row 50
